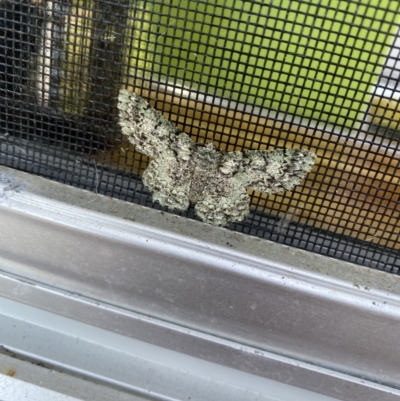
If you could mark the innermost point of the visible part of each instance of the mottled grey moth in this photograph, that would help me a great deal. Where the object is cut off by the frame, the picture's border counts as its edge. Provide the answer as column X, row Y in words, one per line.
column 183, row 172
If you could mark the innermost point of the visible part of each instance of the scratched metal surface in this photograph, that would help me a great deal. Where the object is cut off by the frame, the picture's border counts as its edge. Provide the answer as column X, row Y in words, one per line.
column 249, row 304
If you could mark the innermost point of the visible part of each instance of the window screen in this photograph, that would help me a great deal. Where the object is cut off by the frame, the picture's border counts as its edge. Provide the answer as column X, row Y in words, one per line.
column 318, row 75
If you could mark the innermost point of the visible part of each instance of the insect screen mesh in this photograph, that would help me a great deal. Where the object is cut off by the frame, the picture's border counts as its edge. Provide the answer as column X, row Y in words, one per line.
column 316, row 75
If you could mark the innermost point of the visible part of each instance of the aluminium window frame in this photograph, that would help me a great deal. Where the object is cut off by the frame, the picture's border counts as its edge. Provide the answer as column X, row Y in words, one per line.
column 223, row 297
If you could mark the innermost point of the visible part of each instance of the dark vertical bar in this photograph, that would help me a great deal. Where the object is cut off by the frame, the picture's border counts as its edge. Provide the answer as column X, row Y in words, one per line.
column 106, row 54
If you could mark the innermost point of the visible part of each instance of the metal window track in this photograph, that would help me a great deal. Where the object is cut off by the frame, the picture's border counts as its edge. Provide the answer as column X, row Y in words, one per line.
column 158, row 306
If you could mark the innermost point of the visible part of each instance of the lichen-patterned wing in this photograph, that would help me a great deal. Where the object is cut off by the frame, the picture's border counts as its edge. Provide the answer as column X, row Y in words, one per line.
column 227, row 203
column 151, row 133
column 269, row 171
column 169, row 181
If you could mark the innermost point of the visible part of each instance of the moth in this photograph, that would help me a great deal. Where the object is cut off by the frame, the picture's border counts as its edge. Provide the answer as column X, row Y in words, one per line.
column 183, row 172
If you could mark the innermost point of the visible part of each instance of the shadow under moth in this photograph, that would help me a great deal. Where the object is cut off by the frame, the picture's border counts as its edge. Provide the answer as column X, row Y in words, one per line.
column 183, row 172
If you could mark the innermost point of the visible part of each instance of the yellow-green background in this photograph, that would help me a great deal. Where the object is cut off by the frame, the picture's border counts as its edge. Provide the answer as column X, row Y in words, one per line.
column 316, row 58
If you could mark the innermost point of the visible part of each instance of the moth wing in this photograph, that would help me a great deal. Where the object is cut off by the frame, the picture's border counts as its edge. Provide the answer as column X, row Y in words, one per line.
column 151, row 133
column 169, row 184
column 224, row 207
column 272, row 171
